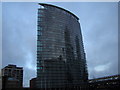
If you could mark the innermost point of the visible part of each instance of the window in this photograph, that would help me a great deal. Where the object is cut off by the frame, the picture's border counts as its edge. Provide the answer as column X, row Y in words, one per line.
column 53, row 17
column 39, row 33
column 39, row 48
column 40, row 15
column 40, row 11
column 39, row 43
column 41, row 67
column 39, row 19
column 38, row 37
column 40, row 28
column 45, row 8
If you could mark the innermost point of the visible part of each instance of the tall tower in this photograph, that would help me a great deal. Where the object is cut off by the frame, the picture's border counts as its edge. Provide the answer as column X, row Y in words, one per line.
column 61, row 58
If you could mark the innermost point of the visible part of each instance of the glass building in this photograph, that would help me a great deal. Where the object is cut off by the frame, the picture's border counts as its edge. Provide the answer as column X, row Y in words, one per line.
column 61, row 58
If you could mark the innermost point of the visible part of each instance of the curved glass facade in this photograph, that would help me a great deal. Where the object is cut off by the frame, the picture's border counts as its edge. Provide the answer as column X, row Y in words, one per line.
column 60, row 53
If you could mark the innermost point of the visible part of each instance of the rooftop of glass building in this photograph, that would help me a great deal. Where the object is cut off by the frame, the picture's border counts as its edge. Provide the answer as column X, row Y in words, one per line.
column 44, row 4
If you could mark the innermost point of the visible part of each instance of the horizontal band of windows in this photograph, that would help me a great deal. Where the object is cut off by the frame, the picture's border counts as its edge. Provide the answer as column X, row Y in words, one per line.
column 52, row 61
column 53, row 32
column 39, row 22
column 39, row 45
column 40, row 19
column 55, row 45
column 39, row 28
column 52, row 48
column 41, row 25
column 54, row 67
column 40, row 15
column 48, row 48
column 39, row 33
column 39, row 49
column 49, row 73
column 52, row 79
column 45, row 58
column 52, row 74
column 43, row 80
column 48, row 54
column 40, row 10
column 51, row 38
column 52, row 42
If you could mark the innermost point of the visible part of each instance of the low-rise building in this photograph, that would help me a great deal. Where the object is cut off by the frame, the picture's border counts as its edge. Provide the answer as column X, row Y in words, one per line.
column 105, row 82
column 13, row 74
column 9, row 82
column 33, row 83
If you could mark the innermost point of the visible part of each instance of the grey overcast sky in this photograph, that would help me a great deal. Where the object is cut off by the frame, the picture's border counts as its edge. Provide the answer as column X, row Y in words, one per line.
column 99, row 25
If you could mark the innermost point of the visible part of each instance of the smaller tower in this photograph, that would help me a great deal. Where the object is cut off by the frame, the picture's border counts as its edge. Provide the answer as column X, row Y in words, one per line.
column 14, row 72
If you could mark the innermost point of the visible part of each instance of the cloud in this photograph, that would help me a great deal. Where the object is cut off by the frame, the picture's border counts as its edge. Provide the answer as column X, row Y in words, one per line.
column 19, row 37
column 102, row 68
column 30, row 64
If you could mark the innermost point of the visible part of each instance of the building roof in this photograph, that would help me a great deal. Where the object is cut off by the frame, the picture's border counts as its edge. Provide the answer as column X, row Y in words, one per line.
column 43, row 4
column 12, row 66
column 105, row 78
column 33, row 79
